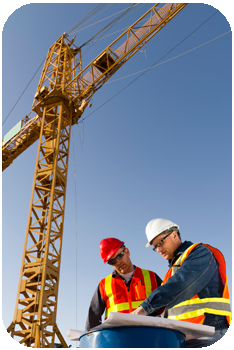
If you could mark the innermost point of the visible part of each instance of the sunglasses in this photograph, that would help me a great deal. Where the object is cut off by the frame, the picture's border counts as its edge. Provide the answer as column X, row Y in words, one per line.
column 118, row 257
column 160, row 243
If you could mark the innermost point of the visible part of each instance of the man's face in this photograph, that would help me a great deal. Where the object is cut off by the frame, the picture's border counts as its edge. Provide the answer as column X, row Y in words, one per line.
column 124, row 265
column 166, row 247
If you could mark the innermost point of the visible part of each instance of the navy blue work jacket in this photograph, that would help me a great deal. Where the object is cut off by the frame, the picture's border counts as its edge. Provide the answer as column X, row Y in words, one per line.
column 198, row 274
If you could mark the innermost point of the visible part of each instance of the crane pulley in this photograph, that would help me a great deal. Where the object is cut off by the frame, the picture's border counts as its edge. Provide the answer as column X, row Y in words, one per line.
column 64, row 91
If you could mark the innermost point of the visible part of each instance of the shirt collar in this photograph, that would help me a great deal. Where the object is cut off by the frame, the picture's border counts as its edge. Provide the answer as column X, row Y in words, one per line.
column 179, row 251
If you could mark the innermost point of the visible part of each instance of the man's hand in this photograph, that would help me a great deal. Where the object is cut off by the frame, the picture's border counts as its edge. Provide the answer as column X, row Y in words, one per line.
column 139, row 311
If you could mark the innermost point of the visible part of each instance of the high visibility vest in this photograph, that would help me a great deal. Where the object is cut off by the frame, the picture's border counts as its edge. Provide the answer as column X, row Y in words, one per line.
column 116, row 295
column 194, row 310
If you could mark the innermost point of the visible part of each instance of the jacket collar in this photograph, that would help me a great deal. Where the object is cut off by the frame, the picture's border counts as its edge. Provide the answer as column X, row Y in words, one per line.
column 179, row 251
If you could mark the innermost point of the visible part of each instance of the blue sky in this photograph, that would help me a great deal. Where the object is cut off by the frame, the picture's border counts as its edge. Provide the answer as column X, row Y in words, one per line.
column 160, row 148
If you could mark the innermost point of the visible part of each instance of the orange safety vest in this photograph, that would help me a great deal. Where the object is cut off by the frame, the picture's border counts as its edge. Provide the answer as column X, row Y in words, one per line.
column 116, row 295
column 194, row 310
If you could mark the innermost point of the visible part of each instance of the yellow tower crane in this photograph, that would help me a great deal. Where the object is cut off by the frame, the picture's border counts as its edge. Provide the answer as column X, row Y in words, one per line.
column 63, row 93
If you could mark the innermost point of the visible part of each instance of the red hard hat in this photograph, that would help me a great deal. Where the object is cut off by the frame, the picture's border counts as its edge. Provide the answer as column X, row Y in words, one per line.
column 108, row 247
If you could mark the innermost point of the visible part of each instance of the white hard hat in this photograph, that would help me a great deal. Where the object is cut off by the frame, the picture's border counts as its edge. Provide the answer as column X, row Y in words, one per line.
column 155, row 227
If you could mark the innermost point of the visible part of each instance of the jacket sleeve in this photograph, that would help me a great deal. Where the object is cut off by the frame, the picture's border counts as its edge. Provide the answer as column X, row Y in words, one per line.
column 96, row 309
column 193, row 276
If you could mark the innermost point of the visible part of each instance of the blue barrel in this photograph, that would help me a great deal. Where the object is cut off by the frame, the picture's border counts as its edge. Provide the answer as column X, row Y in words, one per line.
column 133, row 337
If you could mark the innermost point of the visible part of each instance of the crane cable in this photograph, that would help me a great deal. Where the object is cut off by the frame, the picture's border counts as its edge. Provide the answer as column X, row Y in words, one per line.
column 90, row 14
column 111, row 24
column 170, row 59
column 120, row 19
column 73, row 32
column 123, row 29
column 74, row 165
column 24, row 90
column 156, row 63
column 103, row 18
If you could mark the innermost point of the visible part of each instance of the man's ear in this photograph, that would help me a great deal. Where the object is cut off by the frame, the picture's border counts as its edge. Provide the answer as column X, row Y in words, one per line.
column 176, row 236
column 127, row 251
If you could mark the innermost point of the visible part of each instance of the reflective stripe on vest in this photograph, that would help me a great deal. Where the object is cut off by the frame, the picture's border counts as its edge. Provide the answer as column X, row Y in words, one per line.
column 123, row 307
column 148, row 285
column 197, row 307
column 193, row 310
column 138, row 292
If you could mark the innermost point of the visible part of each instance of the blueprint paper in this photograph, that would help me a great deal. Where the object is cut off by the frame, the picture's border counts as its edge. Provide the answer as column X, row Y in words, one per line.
column 117, row 319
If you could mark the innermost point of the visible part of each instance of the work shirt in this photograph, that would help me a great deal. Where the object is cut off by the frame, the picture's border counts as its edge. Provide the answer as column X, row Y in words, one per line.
column 198, row 274
column 98, row 305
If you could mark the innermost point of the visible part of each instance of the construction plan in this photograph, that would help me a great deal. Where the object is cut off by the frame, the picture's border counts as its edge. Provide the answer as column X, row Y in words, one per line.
column 116, row 319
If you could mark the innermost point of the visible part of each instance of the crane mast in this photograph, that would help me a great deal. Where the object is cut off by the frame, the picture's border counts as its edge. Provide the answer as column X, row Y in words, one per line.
column 36, row 305
column 63, row 92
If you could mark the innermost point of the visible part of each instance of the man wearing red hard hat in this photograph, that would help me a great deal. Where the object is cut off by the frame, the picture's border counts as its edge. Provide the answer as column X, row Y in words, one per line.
column 123, row 290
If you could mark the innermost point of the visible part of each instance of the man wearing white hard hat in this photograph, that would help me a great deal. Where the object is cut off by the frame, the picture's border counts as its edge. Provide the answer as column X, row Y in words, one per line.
column 195, row 287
